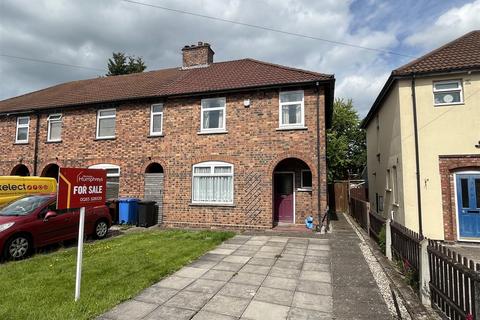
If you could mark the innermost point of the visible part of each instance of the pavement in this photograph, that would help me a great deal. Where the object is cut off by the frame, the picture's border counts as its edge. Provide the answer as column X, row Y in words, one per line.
column 262, row 277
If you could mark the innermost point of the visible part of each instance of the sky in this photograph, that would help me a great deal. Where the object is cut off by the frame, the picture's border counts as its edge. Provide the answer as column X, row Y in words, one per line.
column 85, row 33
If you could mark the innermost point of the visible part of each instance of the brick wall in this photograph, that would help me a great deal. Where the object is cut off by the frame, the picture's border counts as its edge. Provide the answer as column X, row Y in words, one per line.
column 448, row 166
column 252, row 145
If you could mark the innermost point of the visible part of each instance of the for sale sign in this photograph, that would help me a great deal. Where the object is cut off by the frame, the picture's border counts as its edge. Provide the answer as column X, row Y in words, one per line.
column 79, row 187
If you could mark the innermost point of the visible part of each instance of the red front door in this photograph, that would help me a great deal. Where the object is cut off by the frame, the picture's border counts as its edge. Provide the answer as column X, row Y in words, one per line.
column 283, row 194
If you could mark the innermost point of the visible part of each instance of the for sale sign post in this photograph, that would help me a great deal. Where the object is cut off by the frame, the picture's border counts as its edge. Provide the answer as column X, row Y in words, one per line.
column 80, row 188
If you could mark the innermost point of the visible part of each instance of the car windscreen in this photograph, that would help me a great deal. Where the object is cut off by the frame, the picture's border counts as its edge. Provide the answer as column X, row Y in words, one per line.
column 23, row 206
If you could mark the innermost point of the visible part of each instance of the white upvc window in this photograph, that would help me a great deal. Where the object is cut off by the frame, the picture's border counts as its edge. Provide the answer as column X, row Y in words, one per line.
column 156, row 119
column 23, row 125
column 54, row 132
column 291, row 109
column 447, row 92
column 212, row 183
column 306, row 180
column 213, row 115
column 106, row 123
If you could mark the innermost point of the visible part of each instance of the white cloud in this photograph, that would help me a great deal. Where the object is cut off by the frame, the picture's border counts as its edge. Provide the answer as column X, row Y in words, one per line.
column 450, row 25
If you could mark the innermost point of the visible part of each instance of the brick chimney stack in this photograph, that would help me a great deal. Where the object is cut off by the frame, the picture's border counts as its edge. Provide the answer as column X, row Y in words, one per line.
column 199, row 55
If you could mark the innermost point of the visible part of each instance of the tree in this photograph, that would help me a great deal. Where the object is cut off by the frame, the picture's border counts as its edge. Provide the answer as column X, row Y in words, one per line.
column 346, row 142
column 123, row 64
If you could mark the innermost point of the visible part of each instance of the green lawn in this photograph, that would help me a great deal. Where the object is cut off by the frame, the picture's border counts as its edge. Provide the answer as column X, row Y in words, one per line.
column 114, row 270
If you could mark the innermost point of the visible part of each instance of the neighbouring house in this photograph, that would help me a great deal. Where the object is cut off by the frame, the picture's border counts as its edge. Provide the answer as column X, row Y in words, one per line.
column 229, row 144
column 423, row 145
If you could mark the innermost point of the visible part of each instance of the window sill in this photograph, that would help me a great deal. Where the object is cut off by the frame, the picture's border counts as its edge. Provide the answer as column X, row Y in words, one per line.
column 20, row 143
column 448, row 104
column 212, row 132
column 304, row 189
column 53, row 141
column 291, row 128
column 156, row 135
column 101, row 139
column 211, row 204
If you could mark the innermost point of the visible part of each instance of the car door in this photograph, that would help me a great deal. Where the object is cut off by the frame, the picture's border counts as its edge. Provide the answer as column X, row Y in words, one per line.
column 55, row 229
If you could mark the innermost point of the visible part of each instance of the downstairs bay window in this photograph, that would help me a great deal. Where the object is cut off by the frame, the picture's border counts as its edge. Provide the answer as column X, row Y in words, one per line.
column 212, row 183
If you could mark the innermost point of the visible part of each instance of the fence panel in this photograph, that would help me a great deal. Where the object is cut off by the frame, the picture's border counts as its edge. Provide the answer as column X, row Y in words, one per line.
column 359, row 210
column 454, row 283
column 406, row 245
column 376, row 224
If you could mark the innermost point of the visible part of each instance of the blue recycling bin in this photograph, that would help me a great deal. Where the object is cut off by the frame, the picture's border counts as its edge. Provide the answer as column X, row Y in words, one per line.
column 128, row 208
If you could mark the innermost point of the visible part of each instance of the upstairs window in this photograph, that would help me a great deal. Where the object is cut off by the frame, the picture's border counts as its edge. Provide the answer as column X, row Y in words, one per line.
column 291, row 109
column 212, row 183
column 213, row 115
column 156, row 119
column 106, row 124
column 447, row 92
column 23, row 124
column 54, row 132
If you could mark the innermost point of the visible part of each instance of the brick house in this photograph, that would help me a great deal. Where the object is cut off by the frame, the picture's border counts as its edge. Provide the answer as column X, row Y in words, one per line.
column 229, row 144
column 423, row 147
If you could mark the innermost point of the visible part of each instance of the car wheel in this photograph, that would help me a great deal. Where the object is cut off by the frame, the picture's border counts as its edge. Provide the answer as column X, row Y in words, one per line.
column 101, row 229
column 17, row 247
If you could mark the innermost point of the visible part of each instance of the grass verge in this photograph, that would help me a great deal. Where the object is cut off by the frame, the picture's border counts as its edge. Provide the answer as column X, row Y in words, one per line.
column 114, row 270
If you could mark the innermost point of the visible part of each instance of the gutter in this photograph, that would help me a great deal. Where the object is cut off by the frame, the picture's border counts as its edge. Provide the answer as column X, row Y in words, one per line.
column 417, row 159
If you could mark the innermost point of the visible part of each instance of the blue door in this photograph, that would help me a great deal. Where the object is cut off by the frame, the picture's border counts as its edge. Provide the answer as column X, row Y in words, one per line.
column 468, row 205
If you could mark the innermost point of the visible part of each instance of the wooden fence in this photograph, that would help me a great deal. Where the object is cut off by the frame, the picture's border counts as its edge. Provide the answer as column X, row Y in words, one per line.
column 454, row 283
column 376, row 224
column 359, row 210
column 406, row 245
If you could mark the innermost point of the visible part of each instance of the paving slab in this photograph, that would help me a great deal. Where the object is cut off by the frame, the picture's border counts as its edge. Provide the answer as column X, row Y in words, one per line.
column 250, row 268
column 316, row 276
column 228, row 266
column 248, row 278
column 310, row 266
column 222, row 251
column 205, row 315
column 203, row 264
column 175, row 282
column 221, row 275
column 276, row 296
column 312, row 301
column 289, row 264
column 206, row 285
column 212, row 257
column 315, row 287
column 189, row 272
column 230, row 306
column 305, row 314
column 189, row 300
column 156, row 295
column 280, row 283
column 131, row 310
column 170, row 313
column 259, row 310
column 262, row 261
column 236, row 259
column 285, row 273
column 239, row 290
column 291, row 257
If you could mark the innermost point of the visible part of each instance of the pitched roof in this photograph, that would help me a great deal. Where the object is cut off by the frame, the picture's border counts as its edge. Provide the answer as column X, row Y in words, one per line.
column 462, row 54
column 219, row 76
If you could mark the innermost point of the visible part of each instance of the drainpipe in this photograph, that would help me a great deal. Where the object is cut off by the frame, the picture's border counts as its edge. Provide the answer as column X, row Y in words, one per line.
column 417, row 159
column 318, row 154
column 35, row 148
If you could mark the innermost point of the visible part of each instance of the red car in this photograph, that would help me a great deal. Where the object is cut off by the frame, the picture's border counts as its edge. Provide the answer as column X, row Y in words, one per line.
column 33, row 221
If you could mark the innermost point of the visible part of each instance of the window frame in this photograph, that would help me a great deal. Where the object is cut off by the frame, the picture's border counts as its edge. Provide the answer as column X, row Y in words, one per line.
column 203, row 109
column 395, row 193
column 302, row 187
column 459, row 89
column 302, row 111
column 99, row 117
column 152, row 115
column 49, row 123
column 212, row 165
column 21, row 126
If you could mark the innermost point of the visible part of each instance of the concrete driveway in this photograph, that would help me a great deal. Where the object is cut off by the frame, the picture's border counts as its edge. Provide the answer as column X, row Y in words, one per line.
column 246, row 277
